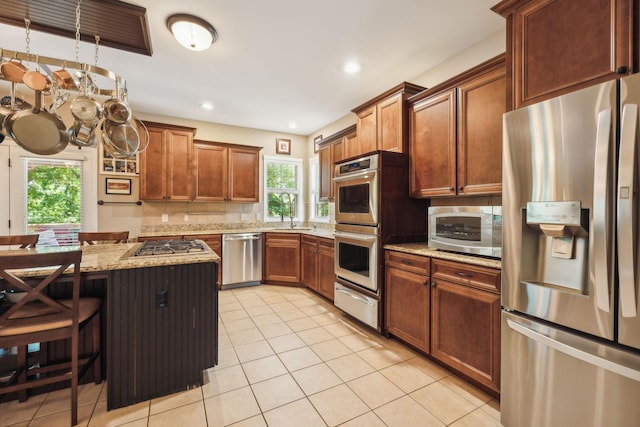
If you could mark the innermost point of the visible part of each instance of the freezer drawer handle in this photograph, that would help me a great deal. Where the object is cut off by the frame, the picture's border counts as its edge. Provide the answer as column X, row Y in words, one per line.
column 356, row 297
column 626, row 204
column 575, row 352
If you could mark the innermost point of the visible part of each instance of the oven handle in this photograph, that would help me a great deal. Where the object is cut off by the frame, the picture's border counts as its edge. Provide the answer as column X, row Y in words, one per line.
column 353, row 175
column 355, row 236
column 354, row 296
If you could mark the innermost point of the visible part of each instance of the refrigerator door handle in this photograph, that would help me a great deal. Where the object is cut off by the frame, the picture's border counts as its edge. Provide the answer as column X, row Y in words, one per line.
column 574, row 352
column 627, row 251
column 601, row 212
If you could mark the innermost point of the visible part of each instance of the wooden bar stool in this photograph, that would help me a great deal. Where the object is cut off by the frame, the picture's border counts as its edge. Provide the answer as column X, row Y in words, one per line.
column 37, row 318
column 24, row 240
column 112, row 237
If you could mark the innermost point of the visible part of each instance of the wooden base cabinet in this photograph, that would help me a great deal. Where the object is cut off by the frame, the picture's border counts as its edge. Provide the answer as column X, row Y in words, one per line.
column 214, row 241
column 465, row 320
column 281, row 258
column 317, row 264
column 407, row 298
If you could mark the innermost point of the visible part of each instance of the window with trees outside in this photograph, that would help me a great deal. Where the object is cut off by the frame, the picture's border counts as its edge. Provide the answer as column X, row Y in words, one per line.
column 283, row 189
column 319, row 210
column 54, row 200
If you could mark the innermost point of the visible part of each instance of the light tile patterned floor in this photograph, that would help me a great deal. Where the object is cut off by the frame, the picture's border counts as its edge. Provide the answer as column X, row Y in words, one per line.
column 288, row 358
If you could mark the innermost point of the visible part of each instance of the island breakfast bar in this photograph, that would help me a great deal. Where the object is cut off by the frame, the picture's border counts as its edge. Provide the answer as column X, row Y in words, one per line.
column 159, row 317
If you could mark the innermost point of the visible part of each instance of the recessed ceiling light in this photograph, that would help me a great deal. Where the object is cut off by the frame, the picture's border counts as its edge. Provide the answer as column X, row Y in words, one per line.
column 207, row 106
column 292, row 125
column 192, row 32
column 351, row 67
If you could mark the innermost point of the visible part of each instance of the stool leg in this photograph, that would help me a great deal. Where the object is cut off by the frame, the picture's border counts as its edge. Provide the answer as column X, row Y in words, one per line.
column 95, row 335
column 22, row 366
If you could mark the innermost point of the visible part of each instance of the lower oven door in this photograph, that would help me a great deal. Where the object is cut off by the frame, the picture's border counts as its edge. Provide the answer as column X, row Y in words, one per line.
column 358, row 305
column 356, row 257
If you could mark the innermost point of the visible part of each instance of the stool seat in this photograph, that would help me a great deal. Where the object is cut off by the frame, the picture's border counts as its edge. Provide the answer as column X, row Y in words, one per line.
column 39, row 317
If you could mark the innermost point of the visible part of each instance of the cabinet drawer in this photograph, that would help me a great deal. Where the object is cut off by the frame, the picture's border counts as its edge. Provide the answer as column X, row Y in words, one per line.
column 309, row 240
column 466, row 274
column 415, row 263
column 283, row 238
column 326, row 243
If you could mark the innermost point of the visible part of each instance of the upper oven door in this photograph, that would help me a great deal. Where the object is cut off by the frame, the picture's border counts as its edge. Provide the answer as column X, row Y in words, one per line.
column 357, row 198
column 356, row 258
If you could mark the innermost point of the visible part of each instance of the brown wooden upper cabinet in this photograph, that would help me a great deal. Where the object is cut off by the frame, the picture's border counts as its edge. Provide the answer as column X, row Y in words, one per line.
column 556, row 46
column 226, row 172
column 455, row 134
column 332, row 151
column 166, row 164
column 382, row 122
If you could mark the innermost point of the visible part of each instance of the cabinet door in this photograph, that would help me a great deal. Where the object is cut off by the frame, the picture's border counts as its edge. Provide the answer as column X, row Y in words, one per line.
column 563, row 45
column 309, row 262
column 350, row 146
column 210, row 162
column 390, row 124
column 179, row 165
column 153, row 174
column 282, row 257
column 325, row 162
column 326, row 267
column 366, row 125
column 432, row 140
column 407, row 306
column 465, row 331
column 244, row 164
column 481, row 104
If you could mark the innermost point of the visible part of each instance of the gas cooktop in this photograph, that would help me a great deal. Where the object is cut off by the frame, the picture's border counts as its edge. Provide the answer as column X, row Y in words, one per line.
column 171, row 247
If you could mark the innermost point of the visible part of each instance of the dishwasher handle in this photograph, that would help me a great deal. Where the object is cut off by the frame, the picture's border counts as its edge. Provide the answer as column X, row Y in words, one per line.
column 242, row 237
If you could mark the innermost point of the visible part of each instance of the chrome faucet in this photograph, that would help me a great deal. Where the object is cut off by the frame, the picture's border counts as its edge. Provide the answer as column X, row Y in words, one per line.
column 282, row 208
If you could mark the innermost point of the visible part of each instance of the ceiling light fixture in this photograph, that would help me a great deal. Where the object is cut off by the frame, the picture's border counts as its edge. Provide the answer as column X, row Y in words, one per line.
column 351, row 67
column 192, row 32
column 207, row 106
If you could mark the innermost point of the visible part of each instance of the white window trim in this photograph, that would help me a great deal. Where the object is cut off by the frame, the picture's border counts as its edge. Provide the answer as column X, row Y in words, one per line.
column 89, row 188
column 314, row 190
column 299, row 218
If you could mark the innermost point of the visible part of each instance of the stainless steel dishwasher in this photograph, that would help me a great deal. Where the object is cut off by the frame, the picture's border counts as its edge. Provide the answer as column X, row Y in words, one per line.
column 241, row 260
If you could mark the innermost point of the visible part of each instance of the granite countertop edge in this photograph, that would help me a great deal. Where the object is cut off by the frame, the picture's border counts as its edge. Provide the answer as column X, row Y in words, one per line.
column 318, row 232
column 423, row 249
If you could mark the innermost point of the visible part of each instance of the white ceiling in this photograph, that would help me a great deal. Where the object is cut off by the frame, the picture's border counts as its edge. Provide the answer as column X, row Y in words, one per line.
column 278, row 62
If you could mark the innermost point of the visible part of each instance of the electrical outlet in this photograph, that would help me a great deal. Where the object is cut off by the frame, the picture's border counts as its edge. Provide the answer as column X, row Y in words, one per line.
column 165, row 217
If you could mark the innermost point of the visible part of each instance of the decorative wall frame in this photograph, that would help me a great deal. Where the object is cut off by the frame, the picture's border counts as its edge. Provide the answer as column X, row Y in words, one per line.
column 283, row 146
column 112, row 166
column 316, row 143
column 117, row 186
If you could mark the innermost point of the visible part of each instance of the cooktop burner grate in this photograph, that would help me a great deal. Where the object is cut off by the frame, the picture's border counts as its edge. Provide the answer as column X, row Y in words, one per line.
column 170, row 247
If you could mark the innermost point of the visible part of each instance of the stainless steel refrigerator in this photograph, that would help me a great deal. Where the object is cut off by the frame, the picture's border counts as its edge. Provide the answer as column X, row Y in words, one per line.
column 570, row 260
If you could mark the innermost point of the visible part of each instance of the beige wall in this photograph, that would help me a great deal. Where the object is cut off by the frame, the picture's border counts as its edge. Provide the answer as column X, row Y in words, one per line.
column 132, row 217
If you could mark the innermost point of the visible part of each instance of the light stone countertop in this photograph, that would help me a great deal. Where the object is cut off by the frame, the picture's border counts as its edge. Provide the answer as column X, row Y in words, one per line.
column 318, row 232
column 115, row 256
column 421, row 248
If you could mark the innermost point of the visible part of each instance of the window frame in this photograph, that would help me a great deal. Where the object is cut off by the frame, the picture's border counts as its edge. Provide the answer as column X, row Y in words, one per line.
column 298, row 191
column 314, row 191
column 18, row 193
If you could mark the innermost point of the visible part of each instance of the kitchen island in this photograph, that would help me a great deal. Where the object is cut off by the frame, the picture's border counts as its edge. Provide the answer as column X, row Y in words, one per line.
column 160, row 316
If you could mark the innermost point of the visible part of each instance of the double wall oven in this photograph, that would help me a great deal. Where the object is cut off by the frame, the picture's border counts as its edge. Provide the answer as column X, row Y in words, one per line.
column 363, row 187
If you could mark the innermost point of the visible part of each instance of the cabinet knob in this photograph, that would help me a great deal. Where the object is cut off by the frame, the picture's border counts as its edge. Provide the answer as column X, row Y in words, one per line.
column 461, row 274
column 460, row 188
column 433, row 284
column 622, row 69
column 452, row 189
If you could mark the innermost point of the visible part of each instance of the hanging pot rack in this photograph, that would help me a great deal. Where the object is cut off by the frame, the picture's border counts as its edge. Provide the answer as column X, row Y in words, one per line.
column 8, row 55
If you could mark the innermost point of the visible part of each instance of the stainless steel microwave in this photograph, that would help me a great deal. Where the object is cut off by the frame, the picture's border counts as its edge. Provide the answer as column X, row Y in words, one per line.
column 466, row 229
